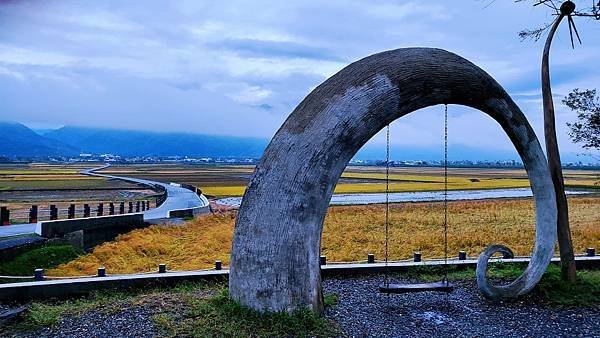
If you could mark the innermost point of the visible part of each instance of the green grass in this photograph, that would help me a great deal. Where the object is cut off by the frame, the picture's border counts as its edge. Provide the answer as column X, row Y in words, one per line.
column 331, row 299
column 189, row 309
column 47, row 313
column 46, row 257
column 222, row 317
column 584, row 292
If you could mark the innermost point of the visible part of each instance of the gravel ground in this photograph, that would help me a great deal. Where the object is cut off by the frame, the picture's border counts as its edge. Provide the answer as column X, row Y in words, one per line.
column 364, row 312
column 130, row 322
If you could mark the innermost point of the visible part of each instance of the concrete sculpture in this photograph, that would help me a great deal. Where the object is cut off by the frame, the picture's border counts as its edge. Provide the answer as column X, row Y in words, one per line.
column 275, row 253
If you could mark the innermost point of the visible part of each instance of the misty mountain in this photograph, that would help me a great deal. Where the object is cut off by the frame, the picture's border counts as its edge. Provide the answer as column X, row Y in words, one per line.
column 148, row 143
column 18, row 140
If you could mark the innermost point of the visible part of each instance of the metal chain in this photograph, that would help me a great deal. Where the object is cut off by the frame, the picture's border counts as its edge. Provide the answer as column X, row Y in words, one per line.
column 446, row 193
column 387, row 193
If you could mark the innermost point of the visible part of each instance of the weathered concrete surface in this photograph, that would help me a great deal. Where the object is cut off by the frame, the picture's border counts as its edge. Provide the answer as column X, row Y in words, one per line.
column 275, row 253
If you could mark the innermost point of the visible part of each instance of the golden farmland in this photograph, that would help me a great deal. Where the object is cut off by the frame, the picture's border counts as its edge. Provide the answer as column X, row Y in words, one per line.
column 49, row 176
column 350, row 233
column 221, row 181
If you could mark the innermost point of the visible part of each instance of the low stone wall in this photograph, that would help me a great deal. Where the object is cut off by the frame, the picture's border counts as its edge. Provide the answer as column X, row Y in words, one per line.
column 93, row 230
column 81, row 286
column 190, row 212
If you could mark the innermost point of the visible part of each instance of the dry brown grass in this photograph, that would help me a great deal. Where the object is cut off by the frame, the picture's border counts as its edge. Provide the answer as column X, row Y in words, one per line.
column 350, row 233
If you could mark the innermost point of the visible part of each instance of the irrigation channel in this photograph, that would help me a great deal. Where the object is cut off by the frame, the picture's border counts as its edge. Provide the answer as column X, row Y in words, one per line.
column 178, row 198
column 423, row 196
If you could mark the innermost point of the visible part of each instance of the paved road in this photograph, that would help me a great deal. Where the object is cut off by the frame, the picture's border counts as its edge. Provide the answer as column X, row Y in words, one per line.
column 177, row 198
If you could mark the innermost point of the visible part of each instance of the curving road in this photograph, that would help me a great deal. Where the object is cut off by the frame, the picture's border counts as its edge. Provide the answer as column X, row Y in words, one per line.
column 177, row 198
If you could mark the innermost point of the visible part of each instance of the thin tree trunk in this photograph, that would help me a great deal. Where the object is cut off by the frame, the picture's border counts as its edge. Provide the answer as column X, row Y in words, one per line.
column 565, row 244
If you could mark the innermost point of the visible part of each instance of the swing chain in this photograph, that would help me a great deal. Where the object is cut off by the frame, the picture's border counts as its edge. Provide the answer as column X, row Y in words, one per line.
column 446, row 193
column 387, row 193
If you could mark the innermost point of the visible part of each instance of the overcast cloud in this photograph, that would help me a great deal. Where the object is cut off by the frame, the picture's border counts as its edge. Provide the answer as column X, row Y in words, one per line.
column 239, row 67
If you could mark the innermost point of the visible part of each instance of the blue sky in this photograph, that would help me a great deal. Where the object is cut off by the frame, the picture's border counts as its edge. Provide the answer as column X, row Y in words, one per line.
column 239, row 67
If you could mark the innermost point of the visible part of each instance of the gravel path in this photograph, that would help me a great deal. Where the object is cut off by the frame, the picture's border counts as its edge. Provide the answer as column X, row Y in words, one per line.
column 130, row 322
column 363, row 312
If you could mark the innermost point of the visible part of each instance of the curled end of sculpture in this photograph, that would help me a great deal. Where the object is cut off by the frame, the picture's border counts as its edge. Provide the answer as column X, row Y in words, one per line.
column 514, row 289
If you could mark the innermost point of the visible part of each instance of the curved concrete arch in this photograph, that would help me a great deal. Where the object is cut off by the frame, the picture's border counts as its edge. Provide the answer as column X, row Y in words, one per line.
column 275, row 252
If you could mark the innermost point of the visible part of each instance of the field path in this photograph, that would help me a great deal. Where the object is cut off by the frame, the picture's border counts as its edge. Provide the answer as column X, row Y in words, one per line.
column 177, row 198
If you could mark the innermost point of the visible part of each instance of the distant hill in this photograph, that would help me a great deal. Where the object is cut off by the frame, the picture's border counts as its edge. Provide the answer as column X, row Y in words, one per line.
column 16, row 140
column 147, row 143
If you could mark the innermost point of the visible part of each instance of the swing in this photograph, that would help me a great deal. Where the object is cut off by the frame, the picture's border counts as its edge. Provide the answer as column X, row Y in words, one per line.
column 441, row 286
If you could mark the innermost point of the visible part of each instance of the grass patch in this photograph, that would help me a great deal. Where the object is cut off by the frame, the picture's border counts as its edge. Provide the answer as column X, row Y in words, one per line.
column 220, row 316
column 46, row 257
column 331, row 299
column 435, row 273
column 584, row 292
column 48, row 313
column 189, row 309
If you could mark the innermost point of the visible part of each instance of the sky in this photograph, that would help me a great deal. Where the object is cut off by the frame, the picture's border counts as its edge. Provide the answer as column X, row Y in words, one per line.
column 240, row 67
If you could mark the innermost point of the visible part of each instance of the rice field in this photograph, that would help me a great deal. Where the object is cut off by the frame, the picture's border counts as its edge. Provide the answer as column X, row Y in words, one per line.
column 23, row 185
column 50, row 176
column 350, row 233
column 224, row 181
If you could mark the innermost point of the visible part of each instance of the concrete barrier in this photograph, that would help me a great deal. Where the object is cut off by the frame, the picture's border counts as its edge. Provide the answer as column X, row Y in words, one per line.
column 189, row 212
column 81, row 286
column 95, row 230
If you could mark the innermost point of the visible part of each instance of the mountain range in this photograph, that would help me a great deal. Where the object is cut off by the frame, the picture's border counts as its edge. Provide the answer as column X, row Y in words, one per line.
column 20, row 141
column 17, row 140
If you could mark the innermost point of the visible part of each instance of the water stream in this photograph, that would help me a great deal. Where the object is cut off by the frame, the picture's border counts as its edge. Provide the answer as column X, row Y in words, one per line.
column 422, row 196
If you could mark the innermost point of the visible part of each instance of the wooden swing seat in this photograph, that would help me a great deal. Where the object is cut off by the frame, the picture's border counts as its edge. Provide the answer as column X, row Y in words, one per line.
column 421, row 287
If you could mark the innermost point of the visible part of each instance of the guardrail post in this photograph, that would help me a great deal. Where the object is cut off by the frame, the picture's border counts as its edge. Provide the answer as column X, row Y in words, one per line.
column 370, row 258
column 86, row 210
column 218, row 265
column 590, row 252
column 111, row 208
column 100, row 210
column 101, row 271
column 323, row 260
column 33, row 214
column 53, row 212
column 71, row 211
column 38, row 275
column 417, row 256
column 462, row 255
column 130, row 207
column 143, row 205
column 162, row 268
column 137, row 206
column 122, row 208
column 4, row 216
